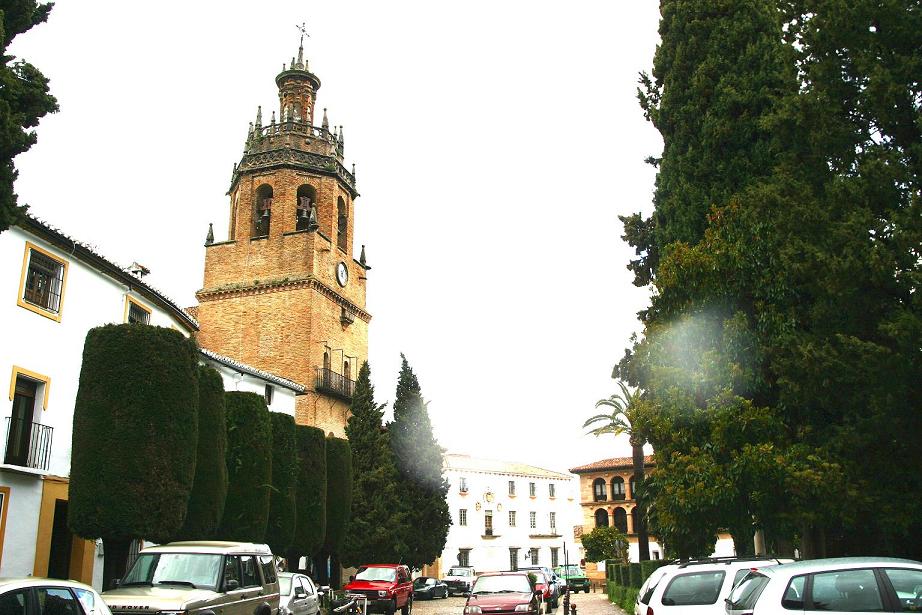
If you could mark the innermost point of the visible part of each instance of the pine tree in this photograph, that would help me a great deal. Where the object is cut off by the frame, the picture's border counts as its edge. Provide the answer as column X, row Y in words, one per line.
column 378, row 521
column 419, row 459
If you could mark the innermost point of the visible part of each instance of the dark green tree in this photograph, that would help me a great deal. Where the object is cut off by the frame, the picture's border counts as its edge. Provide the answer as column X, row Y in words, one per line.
column 719, row 68
column 377, row 525
column 311, row 525
column 419, row 459
column 339, row 506
column 283, row 514
column 209, row 489
column 134, row 438
column 24, row 99
column 249, row 468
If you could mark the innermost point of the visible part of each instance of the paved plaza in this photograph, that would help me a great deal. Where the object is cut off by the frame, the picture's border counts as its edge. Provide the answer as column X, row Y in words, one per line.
column 595, row 603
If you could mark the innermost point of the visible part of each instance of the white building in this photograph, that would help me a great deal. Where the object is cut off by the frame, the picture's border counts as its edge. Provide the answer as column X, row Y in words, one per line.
column 506, row 515
column 56, row 290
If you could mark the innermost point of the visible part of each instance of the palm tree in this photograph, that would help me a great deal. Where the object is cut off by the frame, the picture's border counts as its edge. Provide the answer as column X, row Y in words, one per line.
column 621, row 421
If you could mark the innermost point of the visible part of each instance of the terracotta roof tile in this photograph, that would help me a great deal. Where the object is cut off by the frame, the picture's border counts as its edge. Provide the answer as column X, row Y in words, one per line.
column 615, row 463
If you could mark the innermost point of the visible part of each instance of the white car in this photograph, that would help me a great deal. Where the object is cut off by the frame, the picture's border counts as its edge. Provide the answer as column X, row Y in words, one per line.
column 49, row 597
column 695, row 587
column 297, row 595
column 839, row 585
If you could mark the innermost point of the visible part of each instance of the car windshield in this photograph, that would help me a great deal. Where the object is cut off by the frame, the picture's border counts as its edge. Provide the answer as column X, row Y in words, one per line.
column 500, row 584
column 423, row 581
column 284, row 585
column 196, row 569
column 375, row 574
column 459, row 572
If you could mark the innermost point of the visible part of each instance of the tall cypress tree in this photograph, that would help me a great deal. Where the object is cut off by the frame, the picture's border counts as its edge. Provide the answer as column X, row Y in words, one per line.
column 311, row 498
column 280, row 529
column 339, row 507
column 206, row 502
column 419, row 459
column 378, row 521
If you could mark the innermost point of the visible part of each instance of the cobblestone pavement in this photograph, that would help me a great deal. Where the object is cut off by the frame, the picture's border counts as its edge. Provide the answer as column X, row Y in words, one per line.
column 595, row 603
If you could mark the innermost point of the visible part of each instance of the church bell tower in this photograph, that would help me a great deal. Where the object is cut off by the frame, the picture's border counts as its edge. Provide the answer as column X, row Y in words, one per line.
column 283, row 293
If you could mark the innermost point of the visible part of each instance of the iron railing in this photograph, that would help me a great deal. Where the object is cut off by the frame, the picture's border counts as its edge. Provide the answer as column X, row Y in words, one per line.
column 334, row 384
column 28, row 444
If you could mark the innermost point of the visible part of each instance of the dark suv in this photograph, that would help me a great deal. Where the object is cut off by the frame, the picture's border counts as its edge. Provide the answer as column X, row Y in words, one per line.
column 387, row 587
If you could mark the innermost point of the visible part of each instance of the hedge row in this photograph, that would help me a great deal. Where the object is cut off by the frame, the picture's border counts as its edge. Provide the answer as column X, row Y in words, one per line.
column 623, row 581
column 625, row 597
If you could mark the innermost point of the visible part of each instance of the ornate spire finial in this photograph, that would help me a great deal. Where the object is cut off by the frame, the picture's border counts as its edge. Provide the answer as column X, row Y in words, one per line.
column 259, row 115
column 209, row 238
column 273, row 117
column 340, row 136
column 303, row 29
column 326, row 123
column 362, row 257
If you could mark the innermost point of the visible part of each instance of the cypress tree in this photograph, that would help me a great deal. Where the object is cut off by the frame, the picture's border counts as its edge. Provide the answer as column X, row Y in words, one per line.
column 280, row 529
column 209, row 490
column 419, row 459
column 249, row 468
column 378, row 521
column 134, row 438
column 24, row 99
column 339, row 506
column 311, row 499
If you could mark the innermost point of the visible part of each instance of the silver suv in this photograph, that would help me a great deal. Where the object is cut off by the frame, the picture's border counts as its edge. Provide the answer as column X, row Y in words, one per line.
column 199, row 578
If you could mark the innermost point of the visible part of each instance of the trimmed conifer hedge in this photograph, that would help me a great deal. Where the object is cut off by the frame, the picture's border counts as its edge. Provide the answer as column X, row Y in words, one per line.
column 312, row 492
column 280, row 530
column 135, row 435
column 339, row 493
column 249, row 468
column 209, row 490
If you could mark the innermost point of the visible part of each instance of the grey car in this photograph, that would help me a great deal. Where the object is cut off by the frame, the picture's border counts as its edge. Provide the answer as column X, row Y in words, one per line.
column 34, row 595
column 298, row 595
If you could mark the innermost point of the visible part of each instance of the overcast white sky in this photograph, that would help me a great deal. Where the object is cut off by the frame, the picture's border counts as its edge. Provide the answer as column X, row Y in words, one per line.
column 495, row 143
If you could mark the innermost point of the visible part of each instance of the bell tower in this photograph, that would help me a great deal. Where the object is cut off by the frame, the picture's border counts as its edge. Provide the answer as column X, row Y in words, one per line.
column 283, row 293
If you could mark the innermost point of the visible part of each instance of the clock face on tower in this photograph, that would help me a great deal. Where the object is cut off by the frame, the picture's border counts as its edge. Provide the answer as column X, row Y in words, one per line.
column 342, row 274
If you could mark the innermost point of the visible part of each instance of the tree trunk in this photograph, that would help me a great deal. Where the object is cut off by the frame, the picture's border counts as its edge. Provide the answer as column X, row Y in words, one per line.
column 321, row 569
column 115, row 558
column 643, row 541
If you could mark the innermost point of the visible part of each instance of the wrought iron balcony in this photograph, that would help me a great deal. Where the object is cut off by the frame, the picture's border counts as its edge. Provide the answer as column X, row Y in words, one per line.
column 28, row 444
column 334, row 384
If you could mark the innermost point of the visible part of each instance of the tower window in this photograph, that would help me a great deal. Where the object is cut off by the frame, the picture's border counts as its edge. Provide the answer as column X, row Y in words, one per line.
column 307, row 198
column 262, row 212
column 342, row 224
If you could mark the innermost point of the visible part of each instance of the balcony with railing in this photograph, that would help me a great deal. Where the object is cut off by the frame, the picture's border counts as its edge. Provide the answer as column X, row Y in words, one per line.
column 28, row 444
column 336, row 385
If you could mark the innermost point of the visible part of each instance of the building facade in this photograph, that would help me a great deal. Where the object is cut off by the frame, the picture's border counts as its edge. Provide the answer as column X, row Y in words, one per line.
column 506, row 515
column 56, row 290
column 606, row 489
column 283, row 292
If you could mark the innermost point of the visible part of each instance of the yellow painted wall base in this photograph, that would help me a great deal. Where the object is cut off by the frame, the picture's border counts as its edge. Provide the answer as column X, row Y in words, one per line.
column 82, row 551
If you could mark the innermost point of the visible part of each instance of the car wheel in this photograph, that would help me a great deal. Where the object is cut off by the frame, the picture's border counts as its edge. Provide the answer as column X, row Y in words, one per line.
column 393, row 607
column 407, row 608
column 586, row 590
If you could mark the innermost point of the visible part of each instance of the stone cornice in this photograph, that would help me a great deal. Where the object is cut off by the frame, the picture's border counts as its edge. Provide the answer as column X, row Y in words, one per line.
column 272, row 286
column 287, row 157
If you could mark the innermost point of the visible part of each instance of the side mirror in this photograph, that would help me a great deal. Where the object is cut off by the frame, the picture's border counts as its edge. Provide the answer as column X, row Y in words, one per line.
column 231, row 584
column 351, row 578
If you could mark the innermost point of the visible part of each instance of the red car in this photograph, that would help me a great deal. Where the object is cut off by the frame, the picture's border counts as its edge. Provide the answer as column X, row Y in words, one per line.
column 504, row 592
column 387, row 587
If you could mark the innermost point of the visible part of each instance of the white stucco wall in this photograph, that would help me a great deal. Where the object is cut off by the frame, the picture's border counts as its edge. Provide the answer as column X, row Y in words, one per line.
column 488, row 554
column 52, row 349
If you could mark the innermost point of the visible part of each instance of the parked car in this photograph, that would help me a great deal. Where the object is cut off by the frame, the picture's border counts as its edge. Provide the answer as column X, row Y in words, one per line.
column 231, row 578
column 839, row 585
column 387, row 587
column 696, row 587
column 49, row 597
column 459, row 580
column 552, row 587
column 503, row 592
column 573, row 577
column 298, row 595
column 428, row 588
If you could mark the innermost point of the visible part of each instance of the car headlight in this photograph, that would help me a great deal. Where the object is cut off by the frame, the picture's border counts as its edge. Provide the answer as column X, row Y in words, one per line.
column 472, row 610
column 523, row 608
column 382, row 593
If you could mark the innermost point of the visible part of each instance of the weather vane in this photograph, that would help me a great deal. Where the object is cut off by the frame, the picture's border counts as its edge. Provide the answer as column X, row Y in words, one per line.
column 303, row 29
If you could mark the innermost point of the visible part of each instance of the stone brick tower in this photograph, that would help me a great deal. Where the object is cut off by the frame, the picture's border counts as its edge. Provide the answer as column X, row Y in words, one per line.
column 284, row 293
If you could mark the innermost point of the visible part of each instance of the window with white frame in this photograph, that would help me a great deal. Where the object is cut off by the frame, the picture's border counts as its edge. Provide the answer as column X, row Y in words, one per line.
column 553, row 520
column 463, row 485
column 462, row 516
column 512, row 487
column 532, row 489
column 532, row 519
column 533, row 554
column 511, row 518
